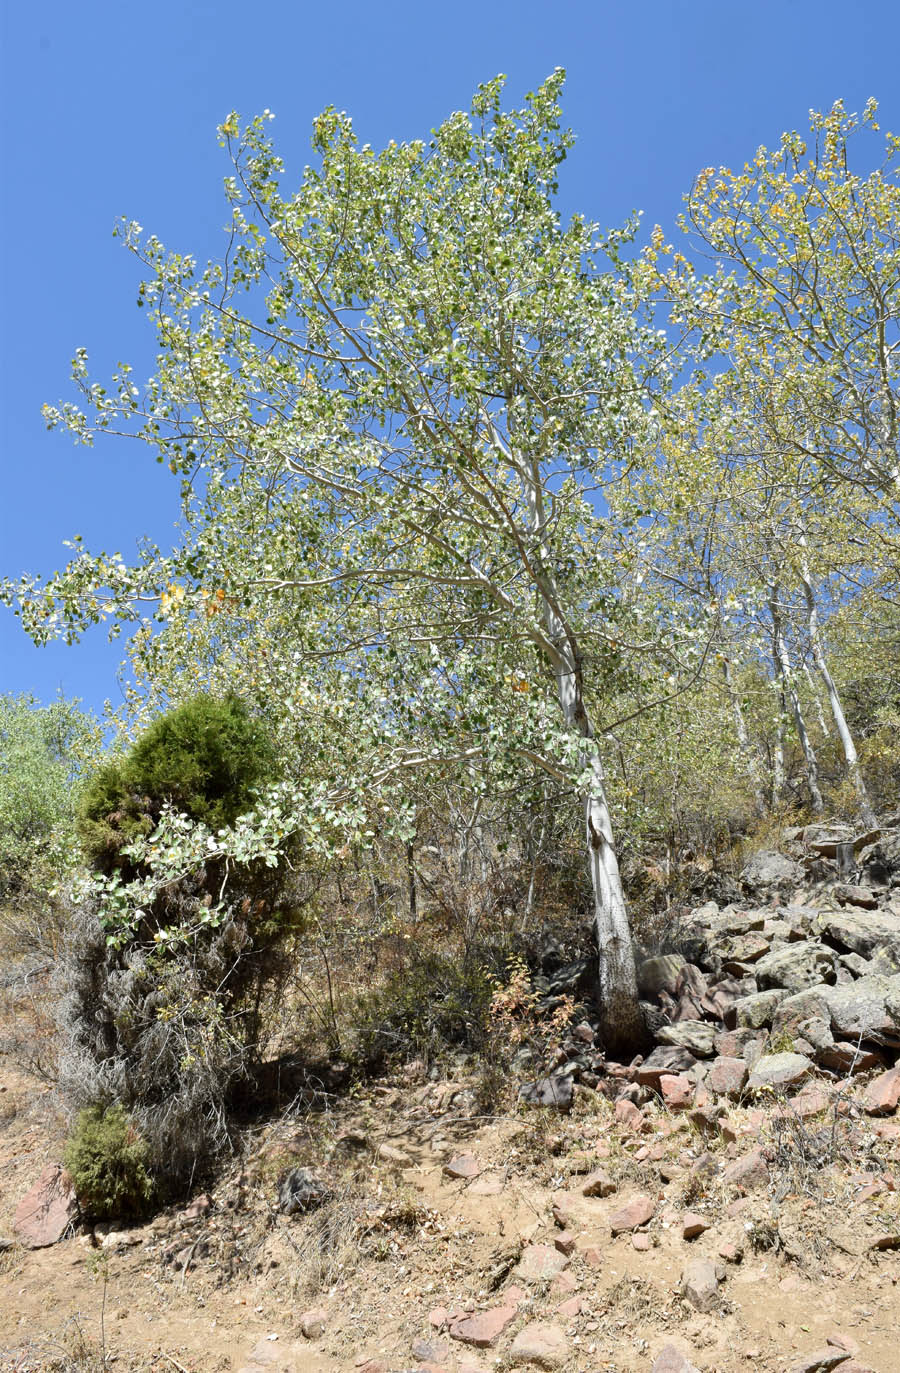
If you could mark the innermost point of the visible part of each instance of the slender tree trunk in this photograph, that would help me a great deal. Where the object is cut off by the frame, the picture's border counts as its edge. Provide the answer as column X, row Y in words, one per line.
column 837, row 710
column 817, row 702
column 748, row 754
column 778, row 755
column 621, row 1018
column 783, row 664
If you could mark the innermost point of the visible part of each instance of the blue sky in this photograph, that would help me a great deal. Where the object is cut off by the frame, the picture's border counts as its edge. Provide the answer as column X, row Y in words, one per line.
column 111, row 110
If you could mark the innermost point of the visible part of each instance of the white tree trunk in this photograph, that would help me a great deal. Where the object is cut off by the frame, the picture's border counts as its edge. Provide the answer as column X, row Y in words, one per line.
column 837, row 710
column 748, row 753
column 783, row 664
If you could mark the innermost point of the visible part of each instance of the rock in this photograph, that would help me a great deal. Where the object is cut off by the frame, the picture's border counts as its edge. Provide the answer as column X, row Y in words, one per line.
column 570, row 1308
column 692, row 1225
column 664, row 1059
column 597, row 1184
column 388, row 1153
column 464, row 1166
column 47, row 1210
column 540, row 1343
column 430, row 1351
column 437, row 1317
column 565, row 1242
column 659, row 974
column 299, row 1190
column 757, row 1010
column 802, row 1006
column 863, row 1009
column 882, row 1095
column 199, row 1207
column 767, row 870
column 640, row 1241
column 539, row 1263
column 795, row 967
column 850, row 895
column 629, row 1115
column 732, row 1043
column 727, row 1076
column 555, row 1091
column 742, row 949
column 677, row 1091
column 863, row 934
column 694, row 1035
column 820, row 1361
column 748, row 1172
column 779, row 1070
column 637, row 1211
column 671, row 1360
column 700, row 1284
column 313, row 1323
column 482, row 1330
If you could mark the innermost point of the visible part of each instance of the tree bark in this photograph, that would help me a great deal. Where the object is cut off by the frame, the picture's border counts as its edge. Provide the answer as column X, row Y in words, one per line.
column 851, row 757
column 783, row 664
column 751, row 764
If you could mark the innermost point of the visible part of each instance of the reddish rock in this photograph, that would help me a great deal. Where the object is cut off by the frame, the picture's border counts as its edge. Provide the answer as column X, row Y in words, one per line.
column 437, row 1318
column 482, row 1330
column 731, row 1253
column 570, row 1308
column 565, row 1242
column 629, row 1115
column 640, row 1241
column 841, row 1341
column 540, row 1343
column 539, row 1262
column 700, row 1284
column 200, row 1206
column 692, row 1225
column 465, row 1166
column 561, row 1217
column 748, row 1172
column 677, row 1090
column 671, row 1360
column 313, row 1322
column 47, row 1211
column 514, row 1295
column 812, row 1101
column 597, row 1184
column 563, row 1283
column 820, row 1361
column 593, row 1257
column 636, row 1212
column 883, row 1093
column 727, row 1076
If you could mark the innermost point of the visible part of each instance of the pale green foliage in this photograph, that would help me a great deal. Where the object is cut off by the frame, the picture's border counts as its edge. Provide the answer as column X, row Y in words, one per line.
column 43, row 752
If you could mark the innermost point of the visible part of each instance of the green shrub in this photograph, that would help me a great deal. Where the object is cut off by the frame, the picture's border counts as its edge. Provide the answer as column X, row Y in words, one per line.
column 107, row 1159
column 205, row 758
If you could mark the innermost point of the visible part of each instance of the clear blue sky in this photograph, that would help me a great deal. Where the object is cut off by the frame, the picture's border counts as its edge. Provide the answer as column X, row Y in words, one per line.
column 111, row 109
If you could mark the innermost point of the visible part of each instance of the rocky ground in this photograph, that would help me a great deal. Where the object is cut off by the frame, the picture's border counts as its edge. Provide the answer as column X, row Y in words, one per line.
column 729, row 1201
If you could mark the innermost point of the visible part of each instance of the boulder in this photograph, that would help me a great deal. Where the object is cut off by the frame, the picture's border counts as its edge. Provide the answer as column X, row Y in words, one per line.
column 666, row 1058
column 779, row 1070
column 47, row 1211
column 769, row 870
column 863, row 1009
column 727, row 1076
column 696, row 1036
column 757, row 1010
column 557, row 1091
column 659, row 974
column 540, row 1343
column 862, row 934
column 795, row 967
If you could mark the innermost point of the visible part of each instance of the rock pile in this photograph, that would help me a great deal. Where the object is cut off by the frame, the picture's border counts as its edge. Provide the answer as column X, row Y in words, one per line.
column 802, row 973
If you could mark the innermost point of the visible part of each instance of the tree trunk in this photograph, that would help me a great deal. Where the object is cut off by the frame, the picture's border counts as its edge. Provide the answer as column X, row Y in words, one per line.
column 751, row 764
column 851, row 757
column 783, row 664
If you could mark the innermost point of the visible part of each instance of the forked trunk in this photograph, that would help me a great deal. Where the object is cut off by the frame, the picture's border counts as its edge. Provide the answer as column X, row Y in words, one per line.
column 851, row 757
column 783, row 666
